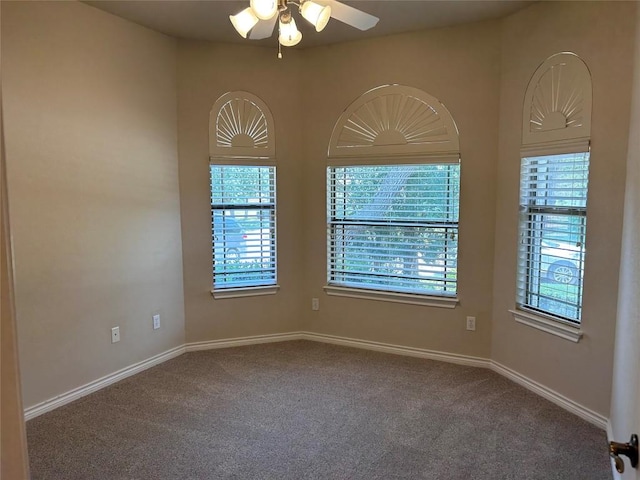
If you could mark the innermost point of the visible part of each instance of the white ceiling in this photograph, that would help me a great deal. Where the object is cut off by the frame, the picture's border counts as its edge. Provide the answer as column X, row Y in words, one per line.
column 209, row 19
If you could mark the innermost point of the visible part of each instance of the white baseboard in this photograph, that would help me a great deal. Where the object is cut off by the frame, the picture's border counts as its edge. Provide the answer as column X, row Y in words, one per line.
column 242, row 341
column 397, row 349
column 76, row 393
column 545, row 392
column 551, row 395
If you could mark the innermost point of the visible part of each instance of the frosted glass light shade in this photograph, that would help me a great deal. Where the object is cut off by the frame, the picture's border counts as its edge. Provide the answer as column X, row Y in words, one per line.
column 316, row 14
column 244, row 21
column 289, row 34
column 264, row 9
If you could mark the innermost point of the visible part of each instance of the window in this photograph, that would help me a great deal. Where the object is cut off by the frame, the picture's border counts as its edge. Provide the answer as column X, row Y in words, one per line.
column 393, row 188
column 553, row 201
column 242, row 175
column 394, row 227
column 556, row 132
column 243, row 222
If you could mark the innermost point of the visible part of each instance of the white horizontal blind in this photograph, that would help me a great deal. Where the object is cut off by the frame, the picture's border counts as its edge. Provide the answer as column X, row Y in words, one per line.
column 394, row 227
column 553, row 208
column 243, row 213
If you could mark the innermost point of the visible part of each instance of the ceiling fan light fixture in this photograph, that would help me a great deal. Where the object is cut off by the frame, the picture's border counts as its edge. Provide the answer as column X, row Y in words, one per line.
column 264, row 9
column 244, row 21
column 316, row 14
column 258, row 21
column 289, row 33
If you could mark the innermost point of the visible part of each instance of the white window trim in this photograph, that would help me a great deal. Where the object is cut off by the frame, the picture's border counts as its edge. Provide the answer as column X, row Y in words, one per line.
column 397, row 297
column 244, row 292
column 547, row 323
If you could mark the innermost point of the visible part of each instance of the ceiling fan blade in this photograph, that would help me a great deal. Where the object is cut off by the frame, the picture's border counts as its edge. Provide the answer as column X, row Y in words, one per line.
column 263, row 29
column 351, row 16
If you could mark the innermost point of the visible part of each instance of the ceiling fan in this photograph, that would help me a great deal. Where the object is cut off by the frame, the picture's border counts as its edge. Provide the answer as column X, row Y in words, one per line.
column 259, row 19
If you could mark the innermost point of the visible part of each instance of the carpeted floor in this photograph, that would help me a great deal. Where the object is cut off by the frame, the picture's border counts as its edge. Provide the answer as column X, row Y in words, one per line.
column 305, row 410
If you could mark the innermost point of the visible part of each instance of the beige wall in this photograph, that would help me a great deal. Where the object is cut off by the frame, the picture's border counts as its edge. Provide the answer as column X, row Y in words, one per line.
column 90, row 112
column 461, row 67
column 601, row 33
column 205, row 72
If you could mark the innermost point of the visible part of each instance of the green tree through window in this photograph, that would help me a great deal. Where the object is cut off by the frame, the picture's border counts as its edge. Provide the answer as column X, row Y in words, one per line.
column 394, row 227
column 243, row 226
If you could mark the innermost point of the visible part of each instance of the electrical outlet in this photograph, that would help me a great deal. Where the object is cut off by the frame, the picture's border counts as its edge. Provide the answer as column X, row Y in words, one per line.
column 315, row 304
column 471, row 323
column 156, row 321
column 115, row 334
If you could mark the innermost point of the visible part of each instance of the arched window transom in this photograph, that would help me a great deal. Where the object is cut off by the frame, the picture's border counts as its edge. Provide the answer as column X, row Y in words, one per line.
column 557, row 104
column 241, row 125
column 394, row 120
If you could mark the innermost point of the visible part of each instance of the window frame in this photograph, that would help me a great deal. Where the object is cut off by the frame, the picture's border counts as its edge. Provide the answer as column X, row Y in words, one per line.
column 259, row 288
column 533, row 234
column 378, row 291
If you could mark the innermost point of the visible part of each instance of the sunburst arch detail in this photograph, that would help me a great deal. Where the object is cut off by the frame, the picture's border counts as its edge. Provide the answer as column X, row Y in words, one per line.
column 394, row 120
column 241, row 125
column 557, row 105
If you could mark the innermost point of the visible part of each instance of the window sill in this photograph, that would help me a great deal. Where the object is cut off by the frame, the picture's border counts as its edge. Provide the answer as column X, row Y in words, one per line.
column 245, row 292
column 548, row 324
column 413, row 299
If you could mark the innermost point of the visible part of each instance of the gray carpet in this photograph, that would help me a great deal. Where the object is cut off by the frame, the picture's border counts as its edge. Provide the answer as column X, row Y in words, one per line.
column 305, row 410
